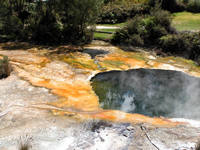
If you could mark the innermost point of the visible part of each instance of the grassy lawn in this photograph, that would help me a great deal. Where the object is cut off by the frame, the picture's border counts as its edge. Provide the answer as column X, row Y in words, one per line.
column 107, row 30
column 186, row 21
column 181, row 21
column 107, row 36
column 102, row 36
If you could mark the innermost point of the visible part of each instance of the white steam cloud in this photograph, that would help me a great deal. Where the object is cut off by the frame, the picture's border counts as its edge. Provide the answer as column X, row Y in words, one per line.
column 152, row 92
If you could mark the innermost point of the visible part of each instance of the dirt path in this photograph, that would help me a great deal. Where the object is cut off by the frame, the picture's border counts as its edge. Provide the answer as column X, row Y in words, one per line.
column 107, row 27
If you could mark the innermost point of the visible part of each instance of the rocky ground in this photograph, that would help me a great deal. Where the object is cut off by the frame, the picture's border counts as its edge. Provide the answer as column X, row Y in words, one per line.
column 47, row 102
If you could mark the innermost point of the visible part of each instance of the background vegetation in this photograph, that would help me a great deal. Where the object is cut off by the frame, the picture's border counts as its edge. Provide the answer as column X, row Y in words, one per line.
column 145, row 30
column 48, row 22
column 146, row 23
column 155, row 30
column 117, row 11
column 179, row 5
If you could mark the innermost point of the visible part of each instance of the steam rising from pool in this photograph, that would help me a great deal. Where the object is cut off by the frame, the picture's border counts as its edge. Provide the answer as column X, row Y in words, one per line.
column 150, row 92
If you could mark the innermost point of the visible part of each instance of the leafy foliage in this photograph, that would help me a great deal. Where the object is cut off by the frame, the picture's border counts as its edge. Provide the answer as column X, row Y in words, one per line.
column 186, row 44
column 172, row 5
column 155, row 30
column 117, row 11
column 145, row 30
column 4, row 67
column 193, row 6
column 51, row 21
column 180, row 5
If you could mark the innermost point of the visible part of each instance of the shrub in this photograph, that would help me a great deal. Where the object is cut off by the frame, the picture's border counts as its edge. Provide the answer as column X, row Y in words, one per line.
column 4, row 67
column 79, row 16
column 188, row 5
column 48, row 22
column 172, row 5
column 161, row 17
column 155, row 30
column 48, row 30
column 12, row 27
column 173, row 43
column 113, row 14
column 184, row 44
column 144, row 30
column 131, row 33
column 178, row 5
column 193, row 6
column 118, row 12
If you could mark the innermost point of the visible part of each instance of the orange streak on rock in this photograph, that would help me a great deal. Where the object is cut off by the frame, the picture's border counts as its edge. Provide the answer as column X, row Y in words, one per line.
column 119, row 116
column 77, row 95
column 75, row 92
column 120, row 61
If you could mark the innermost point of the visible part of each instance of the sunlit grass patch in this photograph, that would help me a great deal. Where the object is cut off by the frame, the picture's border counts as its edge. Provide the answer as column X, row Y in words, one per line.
column 102, row 36
column 186, row 21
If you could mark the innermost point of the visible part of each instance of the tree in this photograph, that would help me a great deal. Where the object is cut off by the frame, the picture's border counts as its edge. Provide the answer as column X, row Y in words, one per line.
column 169, row 4
column 50, row 21
column 79, row 15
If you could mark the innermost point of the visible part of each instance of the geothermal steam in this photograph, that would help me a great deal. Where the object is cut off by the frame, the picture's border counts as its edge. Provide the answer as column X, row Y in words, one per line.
column 150, row 92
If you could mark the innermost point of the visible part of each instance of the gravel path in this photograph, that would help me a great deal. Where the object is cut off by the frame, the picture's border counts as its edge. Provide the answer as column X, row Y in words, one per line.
column 107, row 27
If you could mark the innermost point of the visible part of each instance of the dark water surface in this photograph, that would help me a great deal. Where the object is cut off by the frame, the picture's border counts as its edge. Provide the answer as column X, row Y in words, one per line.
column 149, row 92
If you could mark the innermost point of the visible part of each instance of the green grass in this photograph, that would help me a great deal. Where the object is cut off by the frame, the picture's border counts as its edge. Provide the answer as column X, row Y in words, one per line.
column 186, row 21
column 102, row 36
column 107, row 36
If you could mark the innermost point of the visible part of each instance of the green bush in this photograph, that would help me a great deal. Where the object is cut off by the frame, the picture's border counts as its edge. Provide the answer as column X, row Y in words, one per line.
column 130, row 33
column 184, row 5
column 48, row 30
column 48, row 22
column 144, row 30
column 76, row 20
column 178, row 5
column 185, row 44
column 193, row 6
column 12, row 27
column 172, row 5
column 173, row 43
column 155, row 30
column 120, row 12
column 4, row 67
column 114, row 14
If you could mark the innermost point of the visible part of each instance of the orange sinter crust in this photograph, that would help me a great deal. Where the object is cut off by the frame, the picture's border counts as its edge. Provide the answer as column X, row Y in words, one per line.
column 68, row 77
